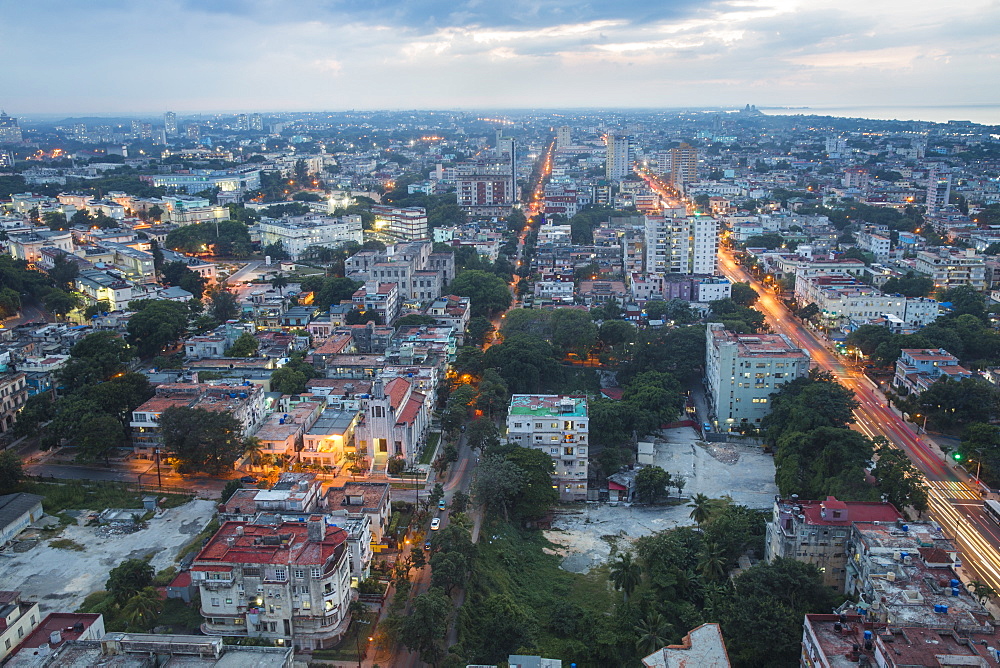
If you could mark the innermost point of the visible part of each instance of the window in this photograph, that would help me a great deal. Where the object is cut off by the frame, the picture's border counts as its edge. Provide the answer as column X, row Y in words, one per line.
column 229, row 601
column 306, row 605
column 304, row 589
column 316, row 572
column 280, row 574
column 517, row 425
column 215, row 602
column 298, row 573
column 568, row 450
column 7, row 644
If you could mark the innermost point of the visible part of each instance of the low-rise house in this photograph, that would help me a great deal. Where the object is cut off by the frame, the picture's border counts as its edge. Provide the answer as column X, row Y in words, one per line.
column 17, row 512
column 57, row 629
column 703, row 647
column 13, row 395
column 369, row 498
column 918, row 368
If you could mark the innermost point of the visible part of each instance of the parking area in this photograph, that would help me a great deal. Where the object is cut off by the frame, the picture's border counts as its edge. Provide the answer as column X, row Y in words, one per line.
column 585, row 534
column 61, row 578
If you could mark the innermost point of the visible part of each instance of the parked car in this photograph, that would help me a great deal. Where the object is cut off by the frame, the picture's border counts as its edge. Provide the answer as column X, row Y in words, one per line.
column 249, row 479
column 435, row 524
column 441, row 505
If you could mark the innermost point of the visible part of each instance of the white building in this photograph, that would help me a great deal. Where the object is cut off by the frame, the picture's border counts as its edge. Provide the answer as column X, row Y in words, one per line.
column 743, row 371
column 876, row 244
column 298, row 233
column 620, row 157
column 683, row 245
column 558, row 426
column 407, row 223
column 843, row 298
column 950, row 267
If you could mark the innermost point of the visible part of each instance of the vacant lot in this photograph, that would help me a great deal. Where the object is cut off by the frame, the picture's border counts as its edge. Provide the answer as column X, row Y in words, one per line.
column 586, row 533
column 61, row 578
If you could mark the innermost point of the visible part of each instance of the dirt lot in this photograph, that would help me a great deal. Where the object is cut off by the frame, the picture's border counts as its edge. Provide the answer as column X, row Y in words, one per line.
column 61, row 578
column 586, row 533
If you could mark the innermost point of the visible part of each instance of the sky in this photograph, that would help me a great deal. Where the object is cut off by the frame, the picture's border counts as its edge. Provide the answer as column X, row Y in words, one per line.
column 100, row 56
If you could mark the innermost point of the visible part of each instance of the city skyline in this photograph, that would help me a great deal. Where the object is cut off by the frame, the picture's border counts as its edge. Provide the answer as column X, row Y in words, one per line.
column 256, row 55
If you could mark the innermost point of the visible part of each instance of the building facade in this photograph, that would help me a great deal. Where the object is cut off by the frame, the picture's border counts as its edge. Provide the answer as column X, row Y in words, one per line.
column 743, row 371
column 558, row 426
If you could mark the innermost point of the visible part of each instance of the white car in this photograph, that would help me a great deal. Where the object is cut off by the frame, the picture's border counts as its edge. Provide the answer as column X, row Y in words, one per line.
column 435, row 524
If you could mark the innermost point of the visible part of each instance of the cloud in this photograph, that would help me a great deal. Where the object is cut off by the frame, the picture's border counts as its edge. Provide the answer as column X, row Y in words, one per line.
column 271, row 54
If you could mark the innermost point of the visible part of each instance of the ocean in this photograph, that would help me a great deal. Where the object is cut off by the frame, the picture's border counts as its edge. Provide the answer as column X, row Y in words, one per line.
column 986, row 114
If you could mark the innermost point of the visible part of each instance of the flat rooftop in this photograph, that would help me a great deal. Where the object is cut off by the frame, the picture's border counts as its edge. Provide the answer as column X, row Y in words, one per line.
column 548, row 405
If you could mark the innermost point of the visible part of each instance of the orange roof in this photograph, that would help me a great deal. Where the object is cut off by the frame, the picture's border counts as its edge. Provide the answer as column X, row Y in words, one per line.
column 396, row 390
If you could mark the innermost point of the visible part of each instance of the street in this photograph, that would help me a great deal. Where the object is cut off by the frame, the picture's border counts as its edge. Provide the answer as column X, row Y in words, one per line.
column 954, row 499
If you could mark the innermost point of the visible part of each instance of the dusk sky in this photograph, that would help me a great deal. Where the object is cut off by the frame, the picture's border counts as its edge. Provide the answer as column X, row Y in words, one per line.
column 206, row 55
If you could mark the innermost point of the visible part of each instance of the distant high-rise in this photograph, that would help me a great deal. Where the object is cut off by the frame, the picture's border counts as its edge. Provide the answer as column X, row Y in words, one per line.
column 563, row 137
column 170, row 123
column 10, row 131
column 507, row 153
column 256, row 123
column 194, row 131
column 242, row 122
column 620, row 157
column 683, row 166
column 681, row 245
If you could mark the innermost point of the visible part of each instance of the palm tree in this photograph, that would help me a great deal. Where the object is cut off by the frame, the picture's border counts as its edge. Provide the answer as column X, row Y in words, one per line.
column 254, row 452
column 653, row 633
column 679, row 483
column 142, row 609
column 983, row 591
column 626, row 574
column 279, row 283
column 700, row 508
column 713, row 562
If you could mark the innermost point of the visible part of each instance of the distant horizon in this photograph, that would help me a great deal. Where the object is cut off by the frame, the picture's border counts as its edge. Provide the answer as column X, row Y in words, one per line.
column 789, row 109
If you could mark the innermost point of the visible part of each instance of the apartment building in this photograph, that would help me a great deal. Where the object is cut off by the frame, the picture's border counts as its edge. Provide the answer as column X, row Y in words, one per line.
column 406, row 223
column 13, row 395
column 559, row 426
column 843, row 298
column 743, row 371
column 952, row 267
column 288, row 582
column 874, row 243
column 682, row 245
column 620, row 157
column 420, row 273
column 97, row 286
column 486, row 187
column 917, row 369
column 817, row 532
column 244, row 401
column 197, row 180
column 297, row 234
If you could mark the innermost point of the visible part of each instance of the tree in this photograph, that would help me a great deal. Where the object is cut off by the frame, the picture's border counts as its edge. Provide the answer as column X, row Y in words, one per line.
column 436, row 494
column 448, row 570
column 482, row 434
column 142, row 609
column 155, row 212
column 180, row 275
column 488, row 293
column 743, row 294
column 493, row 396
column 479, row 328
column 414, row 320
column 63, row 272
column 129, row 578
column 245, row 346
column 231, row 488
column 899, row 482
column 654, row 633
column 713, row 562
column 616, row 332
column 952, row 405
column 424, row 630
column 97, row 436
column 526, row 363
column 700, row 508
column 910, row 286
column 56, row 220
column 288, row 381
column 157, row 324
column 459, row 502
column 982, row 591
column 497, row 483
column 626, row 574
column 457, row 407
column 651, row 484
column 201, row 440
column 417, row 558
column 536, row 495
column 573, row 330
column 825, row 461
column 11, row 471
column 95, row 358
column 222, row 304
column 806, row 403
column 37, row 410
column 279, row 283
column 964, row 300
column 60, row 302
column 868, row 337
column 503, row 625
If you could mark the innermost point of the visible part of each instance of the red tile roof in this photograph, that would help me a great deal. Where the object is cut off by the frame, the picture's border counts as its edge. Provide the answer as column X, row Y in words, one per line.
column 396, row 390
